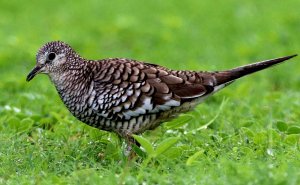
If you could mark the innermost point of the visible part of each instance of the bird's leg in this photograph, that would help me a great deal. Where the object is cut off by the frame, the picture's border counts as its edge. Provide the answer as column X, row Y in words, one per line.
column 131, row 143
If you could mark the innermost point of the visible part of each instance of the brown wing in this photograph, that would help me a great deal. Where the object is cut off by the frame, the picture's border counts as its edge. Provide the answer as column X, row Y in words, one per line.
column 129, row 89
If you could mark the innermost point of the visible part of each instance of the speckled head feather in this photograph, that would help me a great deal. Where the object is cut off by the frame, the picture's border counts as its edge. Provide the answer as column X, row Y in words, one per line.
column 57, row 47
column 127, row 96
column 54, row 58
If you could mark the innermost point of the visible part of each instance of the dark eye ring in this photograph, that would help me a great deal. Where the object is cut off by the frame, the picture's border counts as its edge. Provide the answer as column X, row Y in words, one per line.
column 51, row 56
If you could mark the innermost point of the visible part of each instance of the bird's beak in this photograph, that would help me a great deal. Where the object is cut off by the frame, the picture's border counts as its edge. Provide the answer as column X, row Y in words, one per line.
column 34, row 72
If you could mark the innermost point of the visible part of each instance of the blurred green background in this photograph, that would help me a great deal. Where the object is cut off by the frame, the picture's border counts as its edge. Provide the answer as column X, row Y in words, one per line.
column 255, row 139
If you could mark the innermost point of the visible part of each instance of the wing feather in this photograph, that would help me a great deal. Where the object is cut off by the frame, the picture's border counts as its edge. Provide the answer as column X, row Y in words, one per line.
column 136, row 89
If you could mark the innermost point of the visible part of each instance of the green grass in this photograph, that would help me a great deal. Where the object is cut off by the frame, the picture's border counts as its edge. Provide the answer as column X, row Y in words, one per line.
column 253, row 138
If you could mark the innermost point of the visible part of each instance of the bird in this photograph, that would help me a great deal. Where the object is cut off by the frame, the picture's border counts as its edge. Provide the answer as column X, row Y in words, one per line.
column 127, row 96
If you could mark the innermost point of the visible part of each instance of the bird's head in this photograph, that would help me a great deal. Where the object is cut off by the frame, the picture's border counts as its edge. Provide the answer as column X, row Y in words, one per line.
column 53, row 58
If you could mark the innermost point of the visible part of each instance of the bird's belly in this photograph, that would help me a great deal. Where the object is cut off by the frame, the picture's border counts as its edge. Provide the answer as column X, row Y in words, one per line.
column 95, row 118
column 135, row 125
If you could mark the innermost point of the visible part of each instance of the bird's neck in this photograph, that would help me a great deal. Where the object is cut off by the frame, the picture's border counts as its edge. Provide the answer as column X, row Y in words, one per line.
column 71, row 80
column 72, row 86
column 69, row 75
column 59, row 79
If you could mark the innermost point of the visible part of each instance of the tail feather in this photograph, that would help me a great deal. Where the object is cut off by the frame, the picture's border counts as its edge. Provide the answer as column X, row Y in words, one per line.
column 224, row 77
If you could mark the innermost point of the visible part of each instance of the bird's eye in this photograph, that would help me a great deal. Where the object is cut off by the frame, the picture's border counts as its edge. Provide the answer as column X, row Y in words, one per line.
column 51, row 56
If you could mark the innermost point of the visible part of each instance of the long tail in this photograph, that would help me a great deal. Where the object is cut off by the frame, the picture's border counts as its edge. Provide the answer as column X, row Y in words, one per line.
column 224, row 77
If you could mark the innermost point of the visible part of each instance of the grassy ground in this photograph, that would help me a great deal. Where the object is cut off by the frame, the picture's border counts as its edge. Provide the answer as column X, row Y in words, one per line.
column 253, row 138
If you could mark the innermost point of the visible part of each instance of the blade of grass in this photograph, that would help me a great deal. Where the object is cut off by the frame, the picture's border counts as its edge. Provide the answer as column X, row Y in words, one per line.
column 145, row 144
column 214, row 118
column 165, row 145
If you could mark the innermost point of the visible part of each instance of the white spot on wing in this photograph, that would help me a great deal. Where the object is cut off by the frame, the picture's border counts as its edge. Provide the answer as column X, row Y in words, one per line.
column 219, row 87
column 123, row 98
column 147, row 105
column 172, row 103
column 129, row 92
column 128, row 114
column 166, row 106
